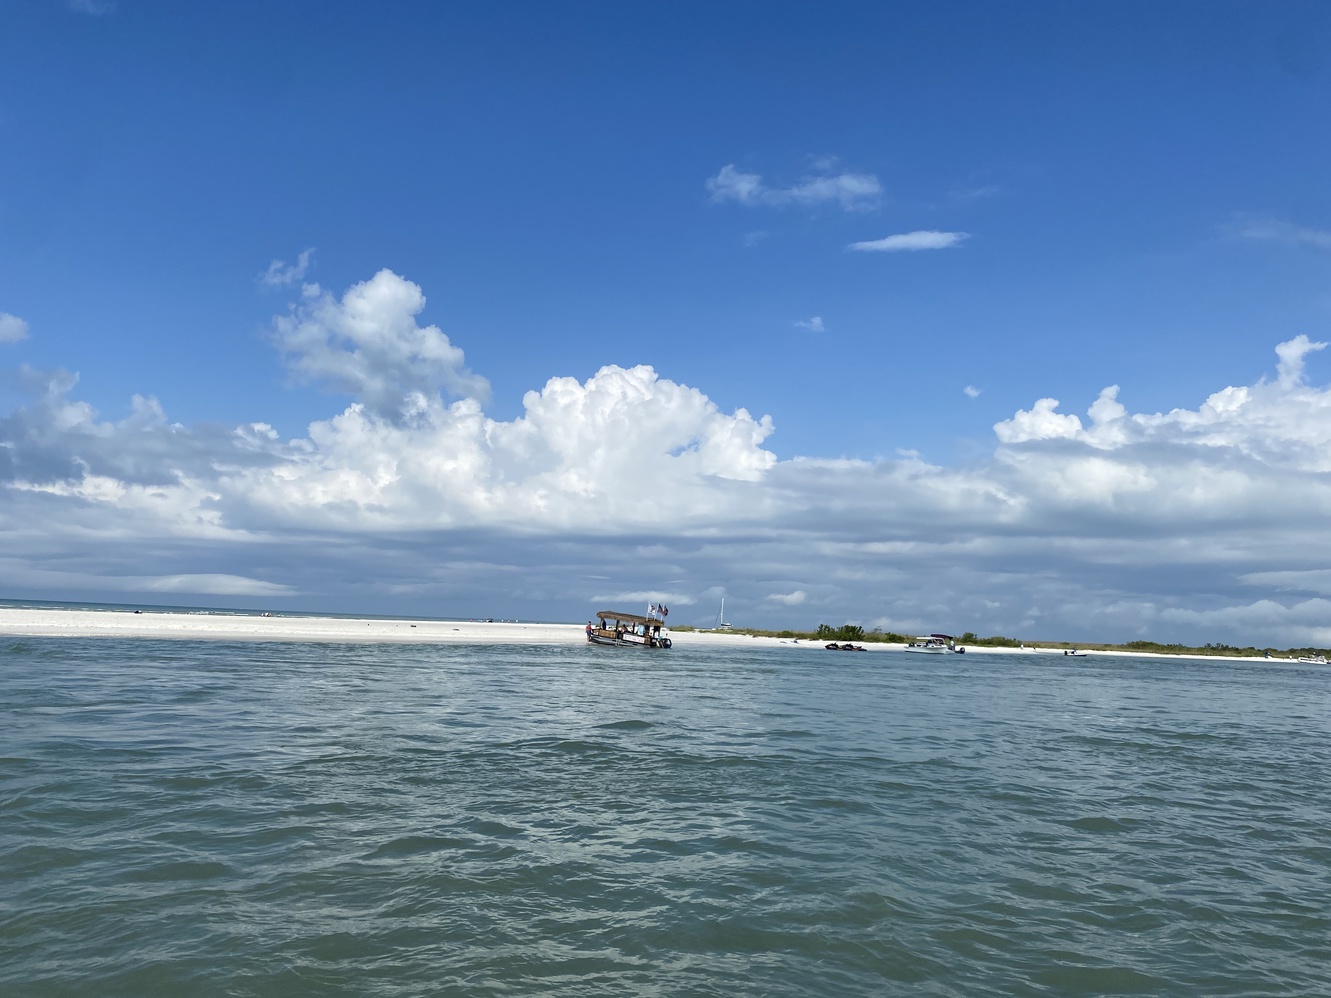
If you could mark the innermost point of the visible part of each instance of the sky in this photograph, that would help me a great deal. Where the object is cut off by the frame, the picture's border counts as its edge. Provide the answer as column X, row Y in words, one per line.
column 1003, row 318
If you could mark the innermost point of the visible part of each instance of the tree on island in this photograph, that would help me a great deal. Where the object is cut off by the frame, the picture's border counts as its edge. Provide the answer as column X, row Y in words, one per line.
column 846, row 632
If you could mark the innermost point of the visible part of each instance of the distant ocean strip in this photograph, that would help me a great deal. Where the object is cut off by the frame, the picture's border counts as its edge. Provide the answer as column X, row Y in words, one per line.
column 217, row 611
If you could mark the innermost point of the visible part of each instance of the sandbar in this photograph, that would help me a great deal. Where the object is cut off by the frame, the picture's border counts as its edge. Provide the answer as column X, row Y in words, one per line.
column 206, row 626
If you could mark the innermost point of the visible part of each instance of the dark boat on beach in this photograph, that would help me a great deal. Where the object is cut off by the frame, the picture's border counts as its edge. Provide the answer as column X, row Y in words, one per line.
column 617, row 629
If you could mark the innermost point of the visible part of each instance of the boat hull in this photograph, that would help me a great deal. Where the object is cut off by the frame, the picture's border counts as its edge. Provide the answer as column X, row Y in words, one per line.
column 611, row 642
column 596, row 639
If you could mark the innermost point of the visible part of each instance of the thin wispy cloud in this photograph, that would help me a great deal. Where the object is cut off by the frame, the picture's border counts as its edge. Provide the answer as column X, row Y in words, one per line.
column 215, row 584
column 851, row 191
column 1278, row 231
column 976, row 193
column 12, row 328
column 923, row 239
column 814, row 324
column 789, row 599
column 646, row 596
column 94, row 7
column 280, row 273
column 971, row 391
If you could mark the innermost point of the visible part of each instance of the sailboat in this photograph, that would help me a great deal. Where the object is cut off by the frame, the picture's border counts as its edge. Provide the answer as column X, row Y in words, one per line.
column 721, row 624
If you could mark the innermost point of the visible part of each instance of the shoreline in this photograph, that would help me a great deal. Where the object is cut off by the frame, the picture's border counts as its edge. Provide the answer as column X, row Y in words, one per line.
column 169, row 625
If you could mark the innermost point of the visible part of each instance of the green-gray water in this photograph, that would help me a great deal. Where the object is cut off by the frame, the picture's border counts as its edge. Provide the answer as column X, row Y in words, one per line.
column 181, row 818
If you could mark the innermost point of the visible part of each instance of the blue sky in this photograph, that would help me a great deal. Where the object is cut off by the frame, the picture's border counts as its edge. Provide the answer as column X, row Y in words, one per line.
column 855, row 244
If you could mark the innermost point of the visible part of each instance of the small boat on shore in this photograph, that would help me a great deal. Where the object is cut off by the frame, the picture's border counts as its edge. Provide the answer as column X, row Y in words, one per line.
column 1313, row 659
column 936, row 644
column 618, row 629
column 1073, row 653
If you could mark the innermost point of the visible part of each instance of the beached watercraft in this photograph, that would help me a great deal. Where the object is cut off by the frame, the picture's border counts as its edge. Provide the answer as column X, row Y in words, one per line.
column 936, row 644
column 617, row 629
column 721, row 623
column 1313, row 659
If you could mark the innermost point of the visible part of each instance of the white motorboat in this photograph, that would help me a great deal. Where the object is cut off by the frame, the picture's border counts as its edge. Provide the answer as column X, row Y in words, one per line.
column 936, row 644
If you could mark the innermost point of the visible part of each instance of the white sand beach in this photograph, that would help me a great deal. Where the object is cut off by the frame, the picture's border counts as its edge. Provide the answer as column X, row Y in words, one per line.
column 205, row 626
column 235, row 627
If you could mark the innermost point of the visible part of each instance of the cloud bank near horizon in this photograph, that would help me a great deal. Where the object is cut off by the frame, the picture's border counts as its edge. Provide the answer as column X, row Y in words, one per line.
column 1198, row 524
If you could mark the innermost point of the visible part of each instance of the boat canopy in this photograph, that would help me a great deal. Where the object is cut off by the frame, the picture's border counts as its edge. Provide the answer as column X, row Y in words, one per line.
column 625, row 618
column 944, row 637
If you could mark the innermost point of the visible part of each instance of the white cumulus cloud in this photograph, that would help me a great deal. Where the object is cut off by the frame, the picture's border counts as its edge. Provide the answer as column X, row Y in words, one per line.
column 1289, row 372
column 626, row 446
column 12, row 328
column 1040, row 422
column 369, row 345
column 813, row 324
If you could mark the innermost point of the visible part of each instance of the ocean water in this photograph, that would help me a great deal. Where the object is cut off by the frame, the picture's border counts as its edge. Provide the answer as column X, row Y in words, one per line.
column 181, row 818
